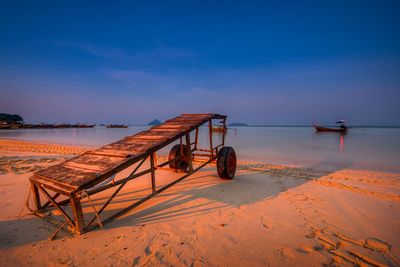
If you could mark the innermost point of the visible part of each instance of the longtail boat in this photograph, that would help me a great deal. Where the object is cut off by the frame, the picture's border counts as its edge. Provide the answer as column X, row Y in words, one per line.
column 117, row 126
column 80, row 125
column 5, row 126
column 340, row 129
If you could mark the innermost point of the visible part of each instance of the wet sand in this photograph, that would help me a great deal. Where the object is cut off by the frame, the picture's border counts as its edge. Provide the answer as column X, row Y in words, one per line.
column 269, row 215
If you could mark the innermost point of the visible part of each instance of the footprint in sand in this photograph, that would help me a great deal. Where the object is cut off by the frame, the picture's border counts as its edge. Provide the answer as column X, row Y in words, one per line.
column 305, row 249
column 267, row 222
column 286, row 252
column 377, row 244
column 341, row 248
column 163, row 249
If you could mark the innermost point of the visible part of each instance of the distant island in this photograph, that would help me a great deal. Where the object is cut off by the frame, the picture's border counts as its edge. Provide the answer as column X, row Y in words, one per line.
column 154, row 122
column 11, row 118
column 238, row 124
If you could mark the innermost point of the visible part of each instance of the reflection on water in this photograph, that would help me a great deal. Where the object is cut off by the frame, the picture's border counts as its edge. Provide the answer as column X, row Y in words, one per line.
column 341, row 142
column 340, row 136
column 374, row 148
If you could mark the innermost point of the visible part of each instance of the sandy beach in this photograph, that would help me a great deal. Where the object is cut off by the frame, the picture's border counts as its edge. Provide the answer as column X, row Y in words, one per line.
column 268, row 215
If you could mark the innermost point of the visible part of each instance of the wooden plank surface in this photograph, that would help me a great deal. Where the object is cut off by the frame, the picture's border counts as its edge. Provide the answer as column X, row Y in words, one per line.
column 94, row 165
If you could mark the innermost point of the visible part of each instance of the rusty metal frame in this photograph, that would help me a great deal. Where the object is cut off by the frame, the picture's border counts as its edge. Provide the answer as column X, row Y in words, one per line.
column 77, row 224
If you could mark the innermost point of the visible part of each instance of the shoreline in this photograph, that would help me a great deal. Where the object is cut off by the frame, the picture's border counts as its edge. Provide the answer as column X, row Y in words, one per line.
column 15, row 145
column 269, row 214
column 9, row 145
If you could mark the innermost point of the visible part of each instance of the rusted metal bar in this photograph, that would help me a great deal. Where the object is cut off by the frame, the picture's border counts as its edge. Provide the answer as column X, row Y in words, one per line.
column 167, row 162
column 108, row 186
column 189, row 153
column 208, row 150
column 201, row 155
column 129, row 177
column 48, row 202
column 199, row 160
column 210, row 138
column 165, row 169
column 181, row 147
column 130, row 207
column 218, row 146
column 203, row 150
column 63, row 202
column 124, row 181
column 155, row 160
column 153, row 174
column 56, row 206
column 196, row 139
column 106, row 204
column 224, row 133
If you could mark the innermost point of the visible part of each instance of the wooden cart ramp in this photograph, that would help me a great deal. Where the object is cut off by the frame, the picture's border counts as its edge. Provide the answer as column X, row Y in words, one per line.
column 93, row 171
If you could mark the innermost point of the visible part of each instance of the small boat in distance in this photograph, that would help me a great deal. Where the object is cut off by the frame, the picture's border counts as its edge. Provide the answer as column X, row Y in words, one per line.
column 5, row 126
column 340, row 129
column 82, row 125
column 78, row 125
column 116, row 126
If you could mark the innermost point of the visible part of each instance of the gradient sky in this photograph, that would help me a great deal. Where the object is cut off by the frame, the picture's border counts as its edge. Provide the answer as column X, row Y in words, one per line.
column 283, row 62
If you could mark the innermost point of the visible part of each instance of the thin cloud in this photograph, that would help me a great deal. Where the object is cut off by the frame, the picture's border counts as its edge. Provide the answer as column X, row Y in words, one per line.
column 110, row 53
column 158, row 56
column 164, row 53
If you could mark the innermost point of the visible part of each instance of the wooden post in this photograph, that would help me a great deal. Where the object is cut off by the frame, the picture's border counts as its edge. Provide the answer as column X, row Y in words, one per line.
column 153, row 174
column 36, row 196
column 189, row 152
column 78, row 214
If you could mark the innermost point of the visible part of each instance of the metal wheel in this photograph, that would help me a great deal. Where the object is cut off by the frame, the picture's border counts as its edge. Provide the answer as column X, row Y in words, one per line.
column 176, row 152
column 226, row 163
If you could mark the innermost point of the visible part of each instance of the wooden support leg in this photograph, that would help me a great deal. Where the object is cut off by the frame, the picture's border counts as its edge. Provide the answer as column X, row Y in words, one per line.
column 189, row 152
column 155, row 160
column 153, row 174
column 78, row 214
column 36, row 196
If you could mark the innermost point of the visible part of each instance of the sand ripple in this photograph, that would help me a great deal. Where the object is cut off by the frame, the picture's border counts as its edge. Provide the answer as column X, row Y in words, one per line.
column 26, row 146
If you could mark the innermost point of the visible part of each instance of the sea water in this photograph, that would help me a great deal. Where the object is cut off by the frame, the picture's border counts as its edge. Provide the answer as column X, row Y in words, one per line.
column 367, row 148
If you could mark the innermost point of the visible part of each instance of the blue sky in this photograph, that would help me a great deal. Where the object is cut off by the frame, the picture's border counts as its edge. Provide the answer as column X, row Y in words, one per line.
column 259, row 62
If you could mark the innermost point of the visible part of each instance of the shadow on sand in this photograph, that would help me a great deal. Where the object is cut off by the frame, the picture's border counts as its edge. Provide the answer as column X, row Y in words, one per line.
column 198, row 194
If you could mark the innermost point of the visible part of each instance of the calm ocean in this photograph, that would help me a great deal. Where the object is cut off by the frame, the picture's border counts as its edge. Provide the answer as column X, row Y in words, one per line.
column 368, row 148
